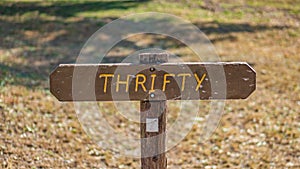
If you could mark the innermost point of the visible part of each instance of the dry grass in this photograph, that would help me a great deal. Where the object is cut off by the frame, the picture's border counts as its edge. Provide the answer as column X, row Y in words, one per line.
column 36, row 131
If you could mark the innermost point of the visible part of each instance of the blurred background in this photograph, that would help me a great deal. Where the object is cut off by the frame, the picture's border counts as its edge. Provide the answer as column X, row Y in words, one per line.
column 37, row 131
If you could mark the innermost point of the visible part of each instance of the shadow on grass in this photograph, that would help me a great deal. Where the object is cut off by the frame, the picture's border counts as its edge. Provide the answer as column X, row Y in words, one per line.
column 18, row 76
column 64, row 8
column 226, row 29
column 43, row 44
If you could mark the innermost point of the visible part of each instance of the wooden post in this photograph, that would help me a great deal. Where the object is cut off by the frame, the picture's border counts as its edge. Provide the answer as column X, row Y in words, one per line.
column 153, row 123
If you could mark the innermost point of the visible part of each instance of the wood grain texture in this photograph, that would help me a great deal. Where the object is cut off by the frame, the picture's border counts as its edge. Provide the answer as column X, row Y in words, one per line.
column 224, row 80
column 153, row 154
column 153, row 143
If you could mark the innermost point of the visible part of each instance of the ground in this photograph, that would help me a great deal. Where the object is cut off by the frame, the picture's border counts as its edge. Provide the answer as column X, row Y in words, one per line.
column 37, row 131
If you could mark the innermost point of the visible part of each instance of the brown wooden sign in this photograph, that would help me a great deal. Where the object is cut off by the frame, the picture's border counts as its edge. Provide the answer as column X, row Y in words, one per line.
column 166, row 81
column 152, row 82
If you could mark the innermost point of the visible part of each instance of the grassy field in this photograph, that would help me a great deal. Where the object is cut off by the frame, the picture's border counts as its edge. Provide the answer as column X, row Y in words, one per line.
column 37, row 131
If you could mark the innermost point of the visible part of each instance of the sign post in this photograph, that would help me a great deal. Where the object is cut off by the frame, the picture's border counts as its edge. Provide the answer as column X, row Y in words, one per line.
column 153, row 82
column 153, row 122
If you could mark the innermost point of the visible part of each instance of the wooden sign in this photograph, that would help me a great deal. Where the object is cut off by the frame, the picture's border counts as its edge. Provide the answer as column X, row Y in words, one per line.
column 152, row 82
column 169, row 81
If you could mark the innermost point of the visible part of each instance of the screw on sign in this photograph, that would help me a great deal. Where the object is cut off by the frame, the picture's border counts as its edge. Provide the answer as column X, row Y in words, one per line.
column 156, row 82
